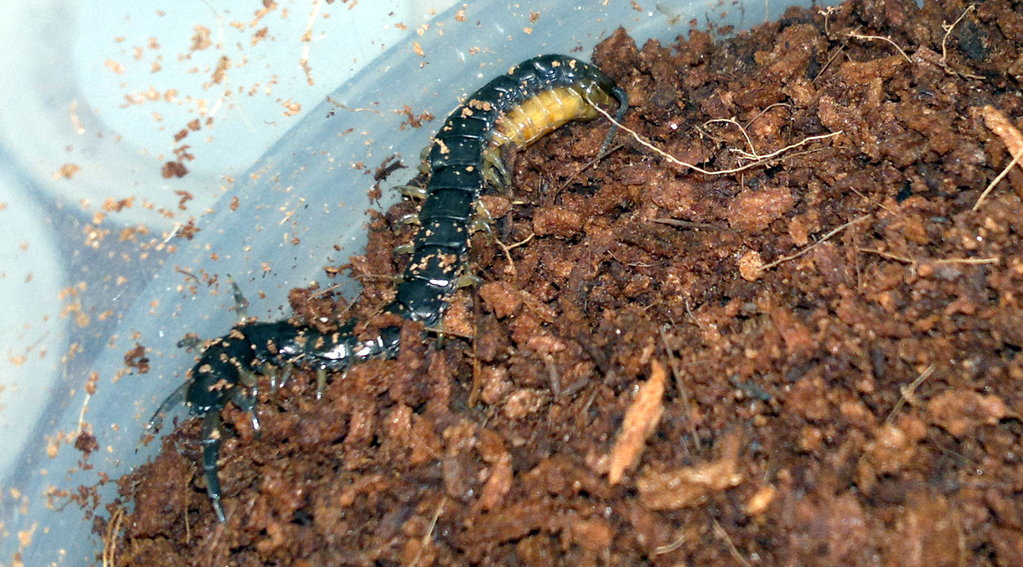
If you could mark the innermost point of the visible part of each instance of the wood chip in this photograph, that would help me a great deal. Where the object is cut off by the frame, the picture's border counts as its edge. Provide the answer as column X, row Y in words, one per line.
column 686, row 487
column 999, row 123
column 640, row 421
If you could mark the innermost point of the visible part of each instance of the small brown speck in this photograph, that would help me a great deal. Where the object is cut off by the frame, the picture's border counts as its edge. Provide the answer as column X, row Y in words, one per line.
column 114, row 66
column 67, row 171
column 185, row 197
column 220, row 73
column 86, row 442
column 201, row 40
column 174, row 169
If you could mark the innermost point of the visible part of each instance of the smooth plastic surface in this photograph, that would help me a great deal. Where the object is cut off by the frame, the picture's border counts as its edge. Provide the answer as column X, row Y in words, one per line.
column 80, row 291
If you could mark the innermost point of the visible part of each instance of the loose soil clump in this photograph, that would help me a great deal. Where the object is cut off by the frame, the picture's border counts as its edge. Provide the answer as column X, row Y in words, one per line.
column 805, row 353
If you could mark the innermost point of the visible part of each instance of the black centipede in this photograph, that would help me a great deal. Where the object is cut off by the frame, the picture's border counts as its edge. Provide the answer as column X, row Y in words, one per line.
column 533, row 99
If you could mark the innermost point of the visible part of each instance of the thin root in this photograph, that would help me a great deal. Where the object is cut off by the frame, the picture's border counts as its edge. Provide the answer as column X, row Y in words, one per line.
column 944, row 45
column 911, row 261
column 109, row 555
column 429, row 532
column 732, row 550
column 906, row 393
column 507, row 248
column 882, row 38
column 687, row 402
column 833, row 232
column 758, row 159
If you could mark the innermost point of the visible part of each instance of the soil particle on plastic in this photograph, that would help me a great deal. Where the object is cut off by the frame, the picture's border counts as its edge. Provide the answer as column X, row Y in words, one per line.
column 840, row 334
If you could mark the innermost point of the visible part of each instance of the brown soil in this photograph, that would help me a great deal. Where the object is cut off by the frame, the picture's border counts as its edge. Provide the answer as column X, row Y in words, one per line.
column 857, row 404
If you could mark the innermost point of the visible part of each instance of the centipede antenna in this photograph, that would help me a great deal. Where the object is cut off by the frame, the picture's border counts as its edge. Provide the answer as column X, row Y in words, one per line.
column 241, row 305
column 175, row 398
column 623, row 105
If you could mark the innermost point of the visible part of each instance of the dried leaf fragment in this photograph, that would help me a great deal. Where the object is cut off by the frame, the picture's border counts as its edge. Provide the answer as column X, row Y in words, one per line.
column 1000, row 125
column 689, row 486
column 751, row 266
column 961, row 411
column 640, row 421
column 499, row 483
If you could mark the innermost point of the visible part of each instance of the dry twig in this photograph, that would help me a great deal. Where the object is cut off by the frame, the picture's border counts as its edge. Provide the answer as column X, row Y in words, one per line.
column 343, row 106
column 640, row 421
column 689, row 224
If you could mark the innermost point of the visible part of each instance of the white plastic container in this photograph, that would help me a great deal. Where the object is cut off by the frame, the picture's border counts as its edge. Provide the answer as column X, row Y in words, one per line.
column 83, row 285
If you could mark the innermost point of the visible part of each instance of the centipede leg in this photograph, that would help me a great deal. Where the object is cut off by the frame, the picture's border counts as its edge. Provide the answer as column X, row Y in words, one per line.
column 404, row 249
column 277, row 379
column 210, row 455
column 321, row 382
column 247, row 403
column 468, row 280
column 424, row 160
column 494, row 171
column 412, row 191
column 241, row 305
